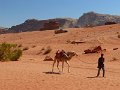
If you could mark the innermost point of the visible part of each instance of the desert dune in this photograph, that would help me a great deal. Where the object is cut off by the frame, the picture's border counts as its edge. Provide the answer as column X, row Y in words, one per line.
column 32, row 73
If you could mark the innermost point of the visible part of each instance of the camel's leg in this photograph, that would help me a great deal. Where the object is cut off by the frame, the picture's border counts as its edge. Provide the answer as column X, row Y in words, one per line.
column 62, row 65
column 58, row 65
column 68, row 66
column 53, row 65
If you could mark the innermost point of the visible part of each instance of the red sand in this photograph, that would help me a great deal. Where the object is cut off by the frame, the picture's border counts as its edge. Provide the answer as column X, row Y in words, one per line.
column 32, row 73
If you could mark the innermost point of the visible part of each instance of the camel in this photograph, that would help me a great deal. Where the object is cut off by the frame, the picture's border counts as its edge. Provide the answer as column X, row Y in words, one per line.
column 61, row 56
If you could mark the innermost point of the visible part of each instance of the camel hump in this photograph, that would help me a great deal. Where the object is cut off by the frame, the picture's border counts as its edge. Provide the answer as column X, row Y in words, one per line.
column 60, row 54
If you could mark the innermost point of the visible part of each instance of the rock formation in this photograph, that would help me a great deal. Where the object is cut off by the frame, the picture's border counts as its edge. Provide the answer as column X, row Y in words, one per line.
column 95, row 19
column 109, row 23
column 33, row 24
column 89, row 19
column 93, row 50
column 3, row 30
column 51, row 25
column 60, row 31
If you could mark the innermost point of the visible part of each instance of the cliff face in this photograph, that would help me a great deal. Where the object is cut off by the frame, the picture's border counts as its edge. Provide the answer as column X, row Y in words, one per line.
column 33, row 24
column 50, row 25
column 95, row 19
column 87, row 19
column 28, row 25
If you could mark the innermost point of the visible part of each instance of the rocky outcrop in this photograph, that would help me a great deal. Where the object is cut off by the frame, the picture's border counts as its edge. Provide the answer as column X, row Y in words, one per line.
column 33, row 24
column 3, row 30
column 96, row 49
column 60, row 31
column 95, row 19
column 110, row 23
column 51, row 25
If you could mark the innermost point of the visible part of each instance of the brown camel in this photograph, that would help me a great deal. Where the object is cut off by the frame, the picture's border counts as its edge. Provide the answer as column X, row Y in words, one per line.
column 61, row 56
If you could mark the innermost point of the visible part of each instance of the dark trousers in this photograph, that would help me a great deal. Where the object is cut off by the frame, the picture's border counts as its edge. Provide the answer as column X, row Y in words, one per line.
column 99, row 71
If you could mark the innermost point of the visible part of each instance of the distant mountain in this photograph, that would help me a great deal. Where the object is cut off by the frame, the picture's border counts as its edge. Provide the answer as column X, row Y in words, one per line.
column 90, row 18
column 3, row 30
column 33, row 24
column 95, row 19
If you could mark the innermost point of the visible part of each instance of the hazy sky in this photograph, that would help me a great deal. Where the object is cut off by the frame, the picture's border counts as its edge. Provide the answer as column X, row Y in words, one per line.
column 13, row 12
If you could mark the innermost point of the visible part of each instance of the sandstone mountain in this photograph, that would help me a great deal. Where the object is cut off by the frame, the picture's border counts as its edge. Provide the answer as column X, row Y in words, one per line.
column 95, row 19
column 33, row 24
column 87, row 19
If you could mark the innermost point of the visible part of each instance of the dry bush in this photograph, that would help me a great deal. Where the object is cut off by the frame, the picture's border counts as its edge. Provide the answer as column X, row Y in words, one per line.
column 33, row 46
column 117, row 32
column 118, row 35
column 9, row 52
column 114, row 59
column 47, row 50
column 20, row 45
column 38, row 52
column 42, row 49
column 68, row 41
column 25, row 48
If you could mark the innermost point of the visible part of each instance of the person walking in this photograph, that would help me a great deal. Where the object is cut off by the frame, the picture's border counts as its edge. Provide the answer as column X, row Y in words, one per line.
column 101, row 65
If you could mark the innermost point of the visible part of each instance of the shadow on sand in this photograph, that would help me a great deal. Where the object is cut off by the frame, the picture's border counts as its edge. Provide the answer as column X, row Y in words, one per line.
column 93, row 77
column 52, row 72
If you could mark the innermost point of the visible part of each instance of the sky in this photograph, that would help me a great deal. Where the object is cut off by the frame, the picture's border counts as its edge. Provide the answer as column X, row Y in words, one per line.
column 14, row 12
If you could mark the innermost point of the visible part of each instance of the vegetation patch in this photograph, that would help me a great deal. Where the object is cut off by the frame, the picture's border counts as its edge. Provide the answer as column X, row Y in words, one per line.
column 25, row 48
column 10, row 52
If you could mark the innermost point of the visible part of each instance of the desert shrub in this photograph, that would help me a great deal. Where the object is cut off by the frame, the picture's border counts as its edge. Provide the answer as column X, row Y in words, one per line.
column 14, row 56
column 47, row 50
column 117, row 32
column 25, row 48
column 118, row 35
column 33, row 46
column 20, row 45
column 42, row 49
column 9, row 52
column 39, row 52
column 114, row 59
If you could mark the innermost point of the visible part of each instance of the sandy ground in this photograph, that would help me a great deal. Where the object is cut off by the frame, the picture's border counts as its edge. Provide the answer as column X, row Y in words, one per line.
column 32, row 73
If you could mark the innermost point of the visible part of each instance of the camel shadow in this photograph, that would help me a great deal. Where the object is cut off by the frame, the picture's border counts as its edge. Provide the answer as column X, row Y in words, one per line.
column 52, row 73
column 92, row 77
